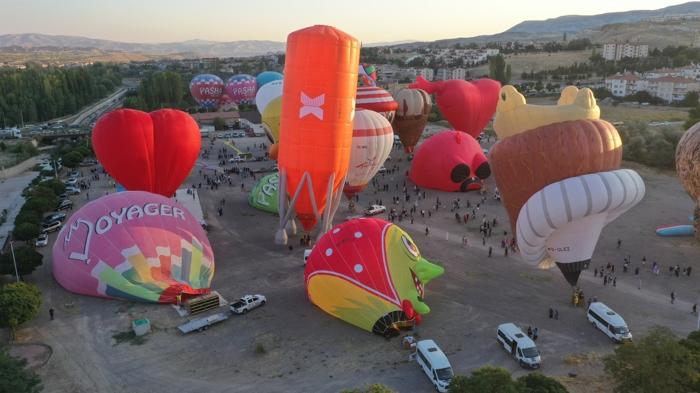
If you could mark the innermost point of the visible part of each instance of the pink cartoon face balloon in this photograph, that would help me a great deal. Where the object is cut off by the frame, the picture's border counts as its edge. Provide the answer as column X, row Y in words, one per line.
column 133, row 245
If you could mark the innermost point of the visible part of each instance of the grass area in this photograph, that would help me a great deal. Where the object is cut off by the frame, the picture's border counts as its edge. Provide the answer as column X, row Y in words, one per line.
column 527, row 62
column 643, row 114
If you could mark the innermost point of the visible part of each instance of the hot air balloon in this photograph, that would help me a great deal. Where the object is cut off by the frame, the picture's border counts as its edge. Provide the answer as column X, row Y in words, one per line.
column 414, row 106
column 264, row 195
column 147, row 151
column 368, row 75
column 242, row 88
column 206, row 89
column 370, row 273
column 266, row 77
column 133, row 245
column 271, row 123
column 316, row 126
column 468, row 106
column 449, row 161
column 267, row 93
column 559, row 181
column 372, row 139
column 376, row 99
column 688, row 168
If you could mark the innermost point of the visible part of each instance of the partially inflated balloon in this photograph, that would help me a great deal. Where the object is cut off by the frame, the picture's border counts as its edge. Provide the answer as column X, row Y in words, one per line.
column 372, row 139
column 242, row 88
column 264, row 195
column 468, row 106
column 376, row 99
column 688, row 168
column 449, row 161
column 266, row 77
column 268, row 93
column 133, row 245
column 271, row 119
column 147, row 151
column 206, row 89
column 414, row 106
column 370, row 273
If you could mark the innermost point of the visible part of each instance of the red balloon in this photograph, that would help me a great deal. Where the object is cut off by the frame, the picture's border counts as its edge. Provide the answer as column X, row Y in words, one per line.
column 449, row 161
column 147, row 151
column 468, row 106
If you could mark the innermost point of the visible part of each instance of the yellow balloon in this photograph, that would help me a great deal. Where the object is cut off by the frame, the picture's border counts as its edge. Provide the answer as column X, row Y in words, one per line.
column 271, row 119
column 514, row 115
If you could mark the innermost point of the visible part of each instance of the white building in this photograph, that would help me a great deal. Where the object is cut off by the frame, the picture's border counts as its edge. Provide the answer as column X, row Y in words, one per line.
column 622, row 85
column 451, row 73
column 426, row 73
column 620, row 51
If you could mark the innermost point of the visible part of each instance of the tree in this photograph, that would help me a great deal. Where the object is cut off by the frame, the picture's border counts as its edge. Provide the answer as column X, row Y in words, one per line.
column 15, row 377
column 486, row 379
column 3, row 146
column 26, row 231
column 538, row 383
column 657, row 363
column 28, row 259
column 219, row 124
column 19, row 302
column 508, row 73
column 691, row 99
column 497, row 69
column 73, row 159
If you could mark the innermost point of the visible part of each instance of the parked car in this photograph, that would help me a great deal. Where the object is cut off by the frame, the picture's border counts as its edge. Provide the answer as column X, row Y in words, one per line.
column 247, row 303
column 382, row 170
column 51, row 226
column 65, row 204
column 374, row 210
column 236, row 159
column 72, row 190
column 71, row 182
column 57, row 216
column 42, row 240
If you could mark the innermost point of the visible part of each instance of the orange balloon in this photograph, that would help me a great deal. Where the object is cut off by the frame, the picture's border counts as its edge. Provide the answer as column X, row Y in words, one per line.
column 318, row 102
column 273, row 150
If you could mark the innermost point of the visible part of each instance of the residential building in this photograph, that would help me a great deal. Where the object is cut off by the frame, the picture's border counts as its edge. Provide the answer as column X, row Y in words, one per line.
column 668, row 88
column 451, row 73
column 622, row 85
column 620, row 51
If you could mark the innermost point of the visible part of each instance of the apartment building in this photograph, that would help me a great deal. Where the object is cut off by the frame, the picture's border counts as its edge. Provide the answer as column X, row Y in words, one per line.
column 620, row 51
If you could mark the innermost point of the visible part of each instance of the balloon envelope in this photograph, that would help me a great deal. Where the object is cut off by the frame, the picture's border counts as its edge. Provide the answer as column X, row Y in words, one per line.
column 376, row 99
column 133, row 245
column 266, row 77
column 264, row 195
column 411, row 116
column 372, row 140
column 206, row 89
column 241, row 88
column 369, row 273
column 271, row 119
column 268, row 93
column 449, row 161
column 147, row 151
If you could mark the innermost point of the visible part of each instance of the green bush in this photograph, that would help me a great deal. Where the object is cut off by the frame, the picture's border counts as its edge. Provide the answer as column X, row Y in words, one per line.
column 41, row 204
column 655, row 148
column 19, row 302
column 26, row 231
column 28, row 259
column 15, row 377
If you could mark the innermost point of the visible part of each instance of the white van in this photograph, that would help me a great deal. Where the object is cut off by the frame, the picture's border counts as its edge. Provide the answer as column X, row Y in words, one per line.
column 609, row 322
column 434, row 364
column 518, row 344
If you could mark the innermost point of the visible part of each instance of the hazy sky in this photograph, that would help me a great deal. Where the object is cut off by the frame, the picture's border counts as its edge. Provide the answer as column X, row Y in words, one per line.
column 229, row 20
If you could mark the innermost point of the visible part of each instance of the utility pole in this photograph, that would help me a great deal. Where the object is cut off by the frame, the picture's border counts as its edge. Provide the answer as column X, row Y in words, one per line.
column 12, row 249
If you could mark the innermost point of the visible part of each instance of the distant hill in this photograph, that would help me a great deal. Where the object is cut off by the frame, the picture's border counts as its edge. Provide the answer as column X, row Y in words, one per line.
column 198, row 48
column 578, row 23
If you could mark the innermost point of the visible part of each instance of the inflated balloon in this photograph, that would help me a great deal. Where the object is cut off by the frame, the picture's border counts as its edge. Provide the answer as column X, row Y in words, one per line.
column 268, row 93
column 370, row 273
column 688, row 168
column 372, row 140
column 414, row 106
column 271, row 119
column 376, row 99
column 449, row 161
column 133, row 245
column 264, row 195
column 147, row 151
column 242, row 88
column 514, row 115
column 368, row 75
column 559, row 181
column 206, row 89
column 266, row 77
column 468, row 106
column 316, row 123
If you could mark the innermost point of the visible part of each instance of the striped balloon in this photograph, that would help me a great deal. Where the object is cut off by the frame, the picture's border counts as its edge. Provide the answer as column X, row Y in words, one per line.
column 376, row 99
column 372, row 139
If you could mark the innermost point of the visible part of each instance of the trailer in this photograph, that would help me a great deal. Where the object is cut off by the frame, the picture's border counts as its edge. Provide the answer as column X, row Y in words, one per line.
column 201, row 324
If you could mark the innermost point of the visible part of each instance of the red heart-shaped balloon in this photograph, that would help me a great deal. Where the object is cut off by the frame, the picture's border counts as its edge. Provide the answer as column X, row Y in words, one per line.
column 152, row 152
column 468, row 106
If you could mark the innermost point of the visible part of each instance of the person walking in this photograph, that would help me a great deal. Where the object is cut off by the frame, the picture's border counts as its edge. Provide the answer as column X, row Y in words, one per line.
column 556, row 314
column 427, row 231
column 695, row 308
column 51, row 313
column 535, row 333
column 490, row 251
column 619, row 243
column 614, row 281
column 551, row 313
column 529, row 331
column 673, row 297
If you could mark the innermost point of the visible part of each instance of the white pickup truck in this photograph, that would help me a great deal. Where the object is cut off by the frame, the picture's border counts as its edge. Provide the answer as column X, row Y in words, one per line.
column 247, row 303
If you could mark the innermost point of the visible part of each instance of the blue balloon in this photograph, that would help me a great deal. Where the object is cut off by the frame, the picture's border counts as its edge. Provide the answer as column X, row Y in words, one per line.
column 267, row 77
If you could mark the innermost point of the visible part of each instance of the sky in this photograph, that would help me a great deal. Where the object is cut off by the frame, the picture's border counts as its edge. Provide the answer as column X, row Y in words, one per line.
column 230, row 20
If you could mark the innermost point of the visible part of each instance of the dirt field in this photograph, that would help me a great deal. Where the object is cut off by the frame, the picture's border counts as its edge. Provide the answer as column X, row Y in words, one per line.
column 527, row 62
column 302, row 349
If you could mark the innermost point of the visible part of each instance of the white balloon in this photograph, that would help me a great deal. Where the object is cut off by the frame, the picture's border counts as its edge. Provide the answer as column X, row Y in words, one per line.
column 372, row 141
column 268, row 92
